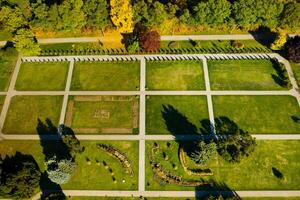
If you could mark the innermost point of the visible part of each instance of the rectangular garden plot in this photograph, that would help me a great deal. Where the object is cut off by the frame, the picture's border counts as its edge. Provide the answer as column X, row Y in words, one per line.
column 42, row 76
column 24, row 112
column 175, row 75
column 245, row 75
column 260, row 114
column 296, row 71
column 95, row 76
column 103, row 114
column 256, row 172
column 8, row 59
column 96, row 169
column 175, row 114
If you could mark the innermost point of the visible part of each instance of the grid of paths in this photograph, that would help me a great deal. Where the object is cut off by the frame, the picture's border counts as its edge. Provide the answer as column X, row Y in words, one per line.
column 142, row 137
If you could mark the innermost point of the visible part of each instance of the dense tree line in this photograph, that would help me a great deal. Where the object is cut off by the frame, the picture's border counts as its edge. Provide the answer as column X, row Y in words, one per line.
column 69, row 16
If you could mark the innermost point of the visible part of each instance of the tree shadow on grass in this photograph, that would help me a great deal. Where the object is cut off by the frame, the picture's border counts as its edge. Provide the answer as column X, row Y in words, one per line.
column 264, row 36
column 217, row 189
column 280, row 77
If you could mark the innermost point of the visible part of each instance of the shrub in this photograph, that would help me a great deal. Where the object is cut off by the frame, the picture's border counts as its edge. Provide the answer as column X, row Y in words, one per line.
column 237, row 45
column 60, row 171
column 279, row 42
column 150, row 41
column 134, row 47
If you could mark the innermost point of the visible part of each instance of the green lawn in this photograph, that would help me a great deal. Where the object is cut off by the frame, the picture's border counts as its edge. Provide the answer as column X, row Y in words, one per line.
column 175, row 75
column 242, row 75
column 116, row 114
column 2, row 98
column 8, row 59
column 70, row 46
column 296, row 70
column 106, row 76
column 182, row 114
column 42, row 76
column 260, row 114
column 87, row 176
column 24, row 112
column 252, row 173
column 209, row 44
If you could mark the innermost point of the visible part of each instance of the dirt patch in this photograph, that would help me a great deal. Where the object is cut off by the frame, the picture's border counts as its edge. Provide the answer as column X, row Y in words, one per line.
column 86, row 130
column 69, row 114
column 135, row 114
column 87, row 98
column 116, row 130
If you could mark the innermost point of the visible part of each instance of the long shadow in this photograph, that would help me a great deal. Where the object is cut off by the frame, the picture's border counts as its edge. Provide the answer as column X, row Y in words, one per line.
column 264, row 36
column 218, row 190
column 53, row 145
column 280, row 77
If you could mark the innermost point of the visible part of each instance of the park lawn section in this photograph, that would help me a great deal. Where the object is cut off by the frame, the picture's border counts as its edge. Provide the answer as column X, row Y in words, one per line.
column 182, row 112
column 24, row 112
column 175, row 75
column 42, row 76
column 116, row 114
column 2, row 99
column 106, row 76
column 87, row 177
column 70, row 46
column 260, row 114
column 8, row 59
column 296, row 70
column 209, row 44
column 242, row 75
column 252, row 173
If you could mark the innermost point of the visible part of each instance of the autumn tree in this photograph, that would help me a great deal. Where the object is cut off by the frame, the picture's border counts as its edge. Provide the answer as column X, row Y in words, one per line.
column 280, row 41
column 121, row 15
column 26, row 43
column 150, row 41
column 292, row 49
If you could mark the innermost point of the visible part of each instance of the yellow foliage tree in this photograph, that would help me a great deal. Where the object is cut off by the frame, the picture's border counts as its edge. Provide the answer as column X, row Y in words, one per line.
column 280, row 41
column 121, row 14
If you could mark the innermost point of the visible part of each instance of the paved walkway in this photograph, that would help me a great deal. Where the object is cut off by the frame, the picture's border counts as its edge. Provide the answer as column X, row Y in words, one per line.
column 142, row 137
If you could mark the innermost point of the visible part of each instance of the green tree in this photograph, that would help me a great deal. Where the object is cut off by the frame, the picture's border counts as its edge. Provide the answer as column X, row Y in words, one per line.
column 157, row 15
column 212, row 12
column 96, row 12
column 290, row 16
column 71, row 14
column 204, row 152
column 11, row 18
column 257, row 12
column 233, row 143
column 19, row 176
column 26, row 43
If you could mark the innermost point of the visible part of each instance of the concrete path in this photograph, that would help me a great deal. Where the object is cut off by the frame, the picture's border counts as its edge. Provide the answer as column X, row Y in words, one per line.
column 254, row 193
column 142, row 92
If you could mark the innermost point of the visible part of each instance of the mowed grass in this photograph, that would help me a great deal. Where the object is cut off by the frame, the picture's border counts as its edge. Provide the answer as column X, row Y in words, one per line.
column 175, row 75
column 182, row 112
column 42, row 76
column 104, row 113
column 106, row 76
column 242, row 75
column 8, row 59
column 24, row 112
column 252, row 173
column 296, row 70
column 2, row 99
column 260, row 114
column 87, row 176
